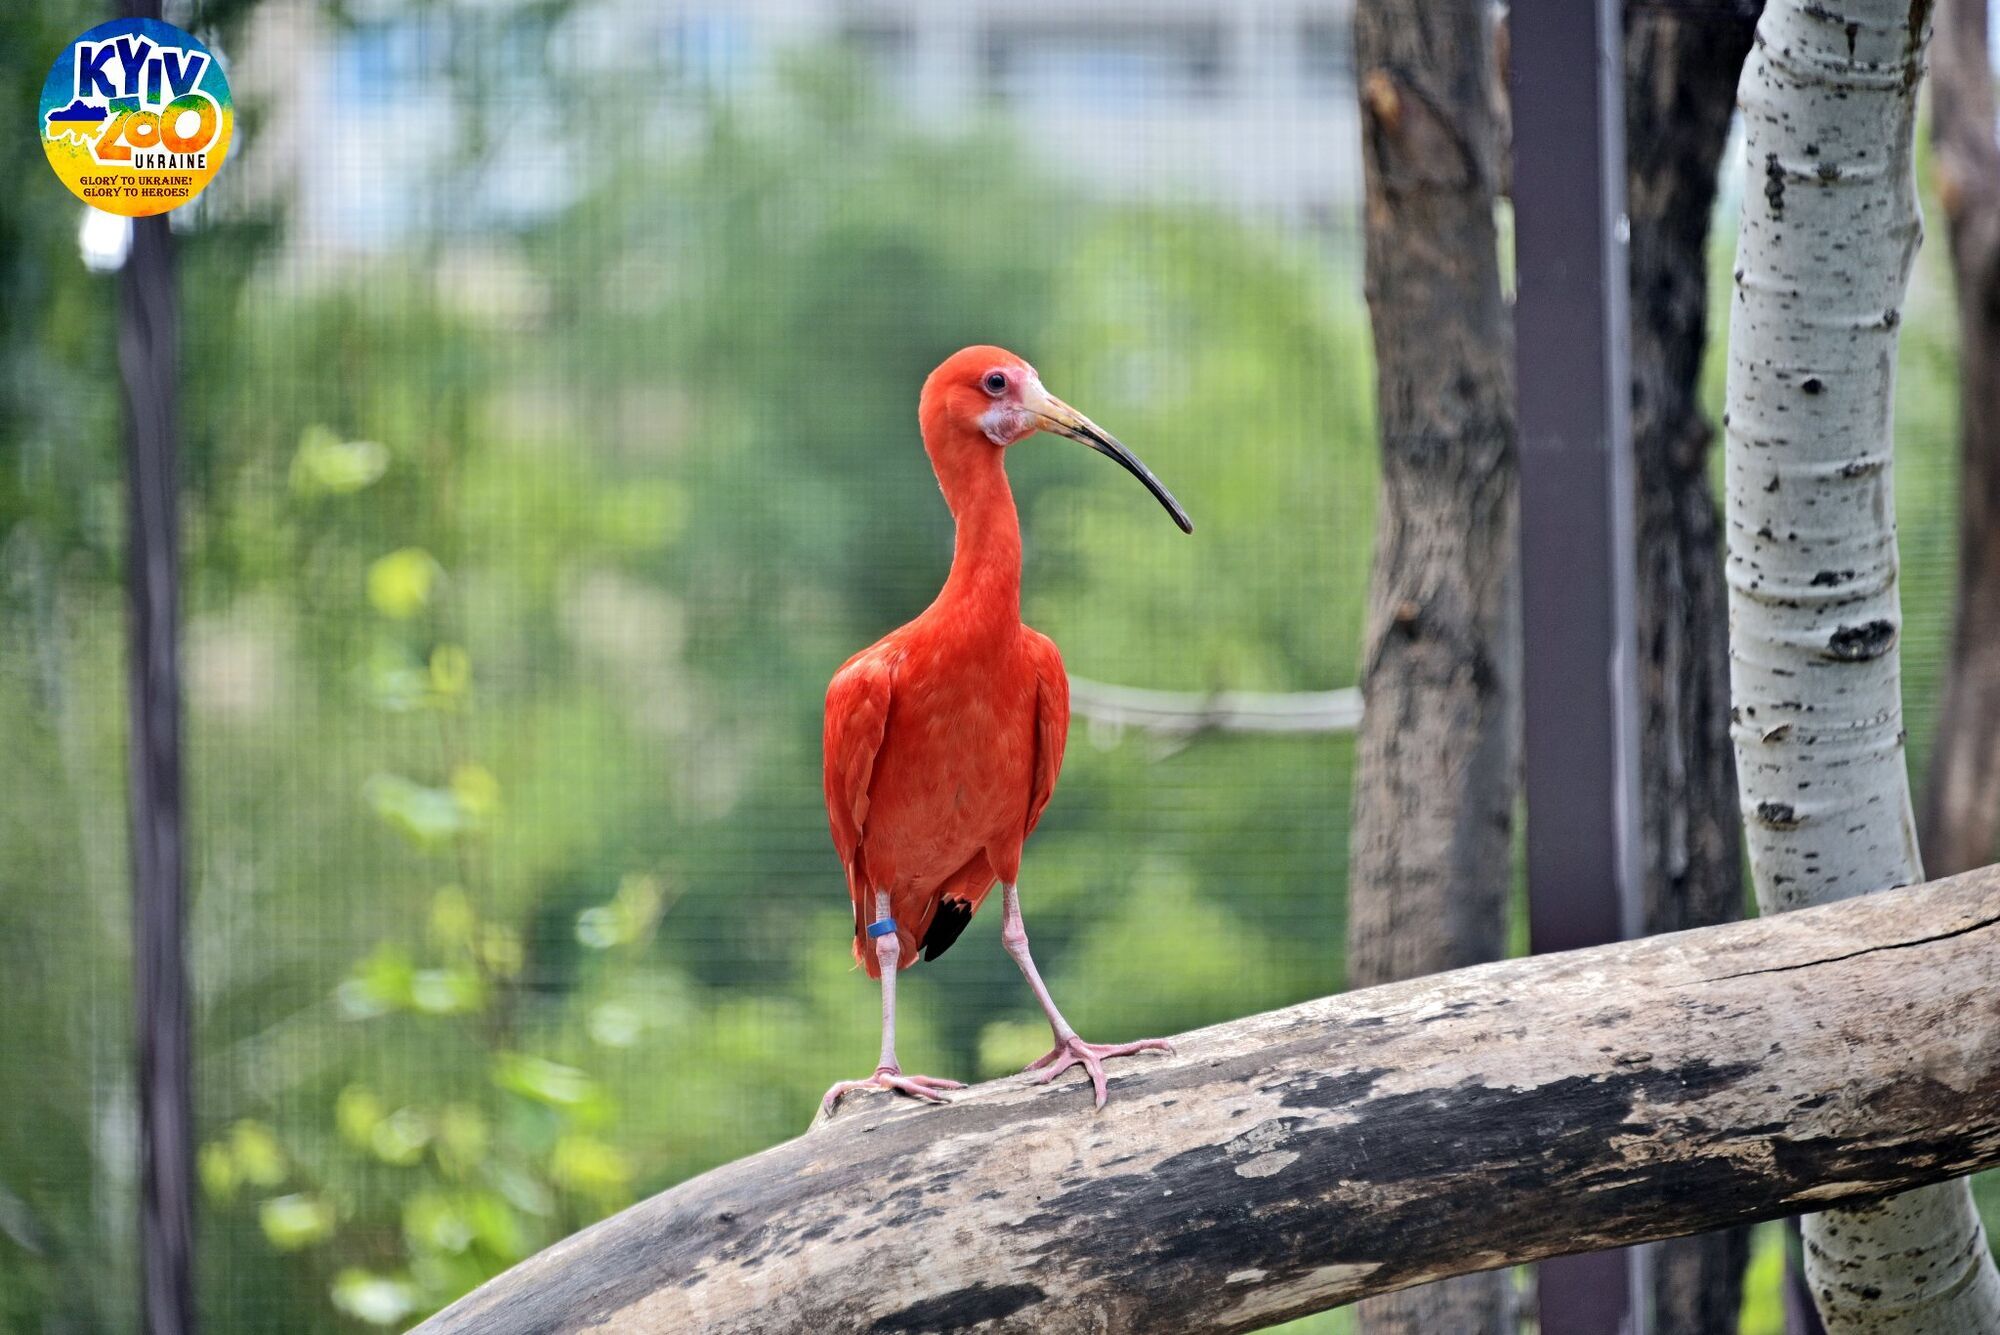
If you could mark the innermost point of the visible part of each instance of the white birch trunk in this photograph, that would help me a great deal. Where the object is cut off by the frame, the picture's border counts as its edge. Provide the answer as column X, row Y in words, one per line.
column 1829, row 232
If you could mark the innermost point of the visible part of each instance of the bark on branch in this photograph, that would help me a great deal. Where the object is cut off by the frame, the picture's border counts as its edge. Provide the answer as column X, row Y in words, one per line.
column 1289, row 1162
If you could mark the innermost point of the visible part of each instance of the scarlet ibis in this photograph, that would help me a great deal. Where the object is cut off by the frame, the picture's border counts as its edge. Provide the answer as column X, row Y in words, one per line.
column 944, row 738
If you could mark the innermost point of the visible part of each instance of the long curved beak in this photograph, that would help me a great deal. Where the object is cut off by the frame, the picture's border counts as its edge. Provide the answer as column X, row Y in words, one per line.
column 1063, row 420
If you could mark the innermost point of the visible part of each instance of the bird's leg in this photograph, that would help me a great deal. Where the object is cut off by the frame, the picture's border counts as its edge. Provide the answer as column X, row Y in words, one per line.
column 888, row 1075
column 1014, row 936
column 1069, row 1049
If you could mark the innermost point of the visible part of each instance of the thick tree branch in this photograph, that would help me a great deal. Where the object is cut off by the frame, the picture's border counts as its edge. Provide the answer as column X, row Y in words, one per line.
column 1293, row 1161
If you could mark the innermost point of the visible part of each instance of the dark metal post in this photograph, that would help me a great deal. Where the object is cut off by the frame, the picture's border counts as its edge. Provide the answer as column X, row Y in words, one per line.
column 148, row 358
column 1579, row 684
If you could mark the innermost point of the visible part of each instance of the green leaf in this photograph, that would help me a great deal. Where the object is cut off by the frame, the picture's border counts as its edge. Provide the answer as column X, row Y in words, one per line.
column 613, row 1024
column 1764, row 1283
column 527, row 1194
column 217, row 1168
column 424, row 815
column 381, row 983
column 294, row 1222
column 497, row 1226
column 600, row 927
column 258, row 1157
column 454, row 991
column 462, row 1138
column 544, row 1081
column 588, row 1165
column 356, row 1112
column 434, row 1221
column 326, row 465
column 400, row 584
column 400, row 1137
column 477, row 791
column 630, row 916
column 453, row 919
column 501, row 951
column 379, row 1300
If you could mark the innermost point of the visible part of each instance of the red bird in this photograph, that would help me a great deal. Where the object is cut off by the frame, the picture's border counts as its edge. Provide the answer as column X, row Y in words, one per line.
column 944, row 738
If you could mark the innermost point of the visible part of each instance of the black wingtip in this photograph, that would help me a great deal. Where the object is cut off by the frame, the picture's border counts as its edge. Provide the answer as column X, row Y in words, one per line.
column 950, row 919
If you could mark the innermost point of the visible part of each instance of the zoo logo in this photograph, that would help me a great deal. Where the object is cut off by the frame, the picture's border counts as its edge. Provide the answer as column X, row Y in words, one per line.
column 136, row 117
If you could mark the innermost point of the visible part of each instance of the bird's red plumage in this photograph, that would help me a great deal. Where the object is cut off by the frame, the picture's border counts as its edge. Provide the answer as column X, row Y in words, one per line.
column 943, row 740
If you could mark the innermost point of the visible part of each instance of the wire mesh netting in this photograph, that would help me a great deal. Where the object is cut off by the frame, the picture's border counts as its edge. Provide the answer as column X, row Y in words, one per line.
column 549, row 438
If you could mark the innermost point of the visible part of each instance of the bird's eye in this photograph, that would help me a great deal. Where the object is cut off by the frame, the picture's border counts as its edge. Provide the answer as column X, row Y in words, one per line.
column 996, row 382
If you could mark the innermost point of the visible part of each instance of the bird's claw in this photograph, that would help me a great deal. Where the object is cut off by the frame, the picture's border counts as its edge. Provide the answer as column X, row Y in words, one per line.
column 1073, row 1051
column 926, row 1087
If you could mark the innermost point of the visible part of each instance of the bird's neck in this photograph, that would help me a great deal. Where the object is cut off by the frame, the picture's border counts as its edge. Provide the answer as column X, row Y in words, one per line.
column 985, row 579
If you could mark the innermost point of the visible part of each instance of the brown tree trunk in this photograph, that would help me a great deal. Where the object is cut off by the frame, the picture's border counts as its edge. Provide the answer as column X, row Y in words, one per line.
column 1680, row 93
column 1962, row 796
column 1439, row 745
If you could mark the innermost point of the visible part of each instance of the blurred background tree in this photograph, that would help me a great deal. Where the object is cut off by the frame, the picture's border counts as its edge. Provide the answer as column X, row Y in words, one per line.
column 551, row 375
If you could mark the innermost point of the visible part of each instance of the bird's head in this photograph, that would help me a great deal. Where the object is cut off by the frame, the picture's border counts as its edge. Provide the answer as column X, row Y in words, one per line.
column 986, row 398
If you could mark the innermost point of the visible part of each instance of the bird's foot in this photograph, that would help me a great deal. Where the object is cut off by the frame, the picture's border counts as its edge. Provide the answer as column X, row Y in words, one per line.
column 927, row 1087
column 1073, row 1051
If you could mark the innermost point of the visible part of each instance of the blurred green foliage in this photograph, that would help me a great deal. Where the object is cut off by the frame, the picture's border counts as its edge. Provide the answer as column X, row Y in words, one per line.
column 517, row 560
column 65, row 1213
column 516, row 565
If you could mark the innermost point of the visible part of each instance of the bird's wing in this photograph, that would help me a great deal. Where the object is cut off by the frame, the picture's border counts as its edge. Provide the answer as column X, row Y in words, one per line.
column 1051, row 721
column 857, row 718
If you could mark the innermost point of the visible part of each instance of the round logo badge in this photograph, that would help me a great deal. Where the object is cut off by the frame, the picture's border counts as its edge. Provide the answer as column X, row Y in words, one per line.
column 136, row 117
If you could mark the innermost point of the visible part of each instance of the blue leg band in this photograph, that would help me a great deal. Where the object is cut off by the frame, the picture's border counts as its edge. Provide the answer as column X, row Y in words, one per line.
column 881, row 927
